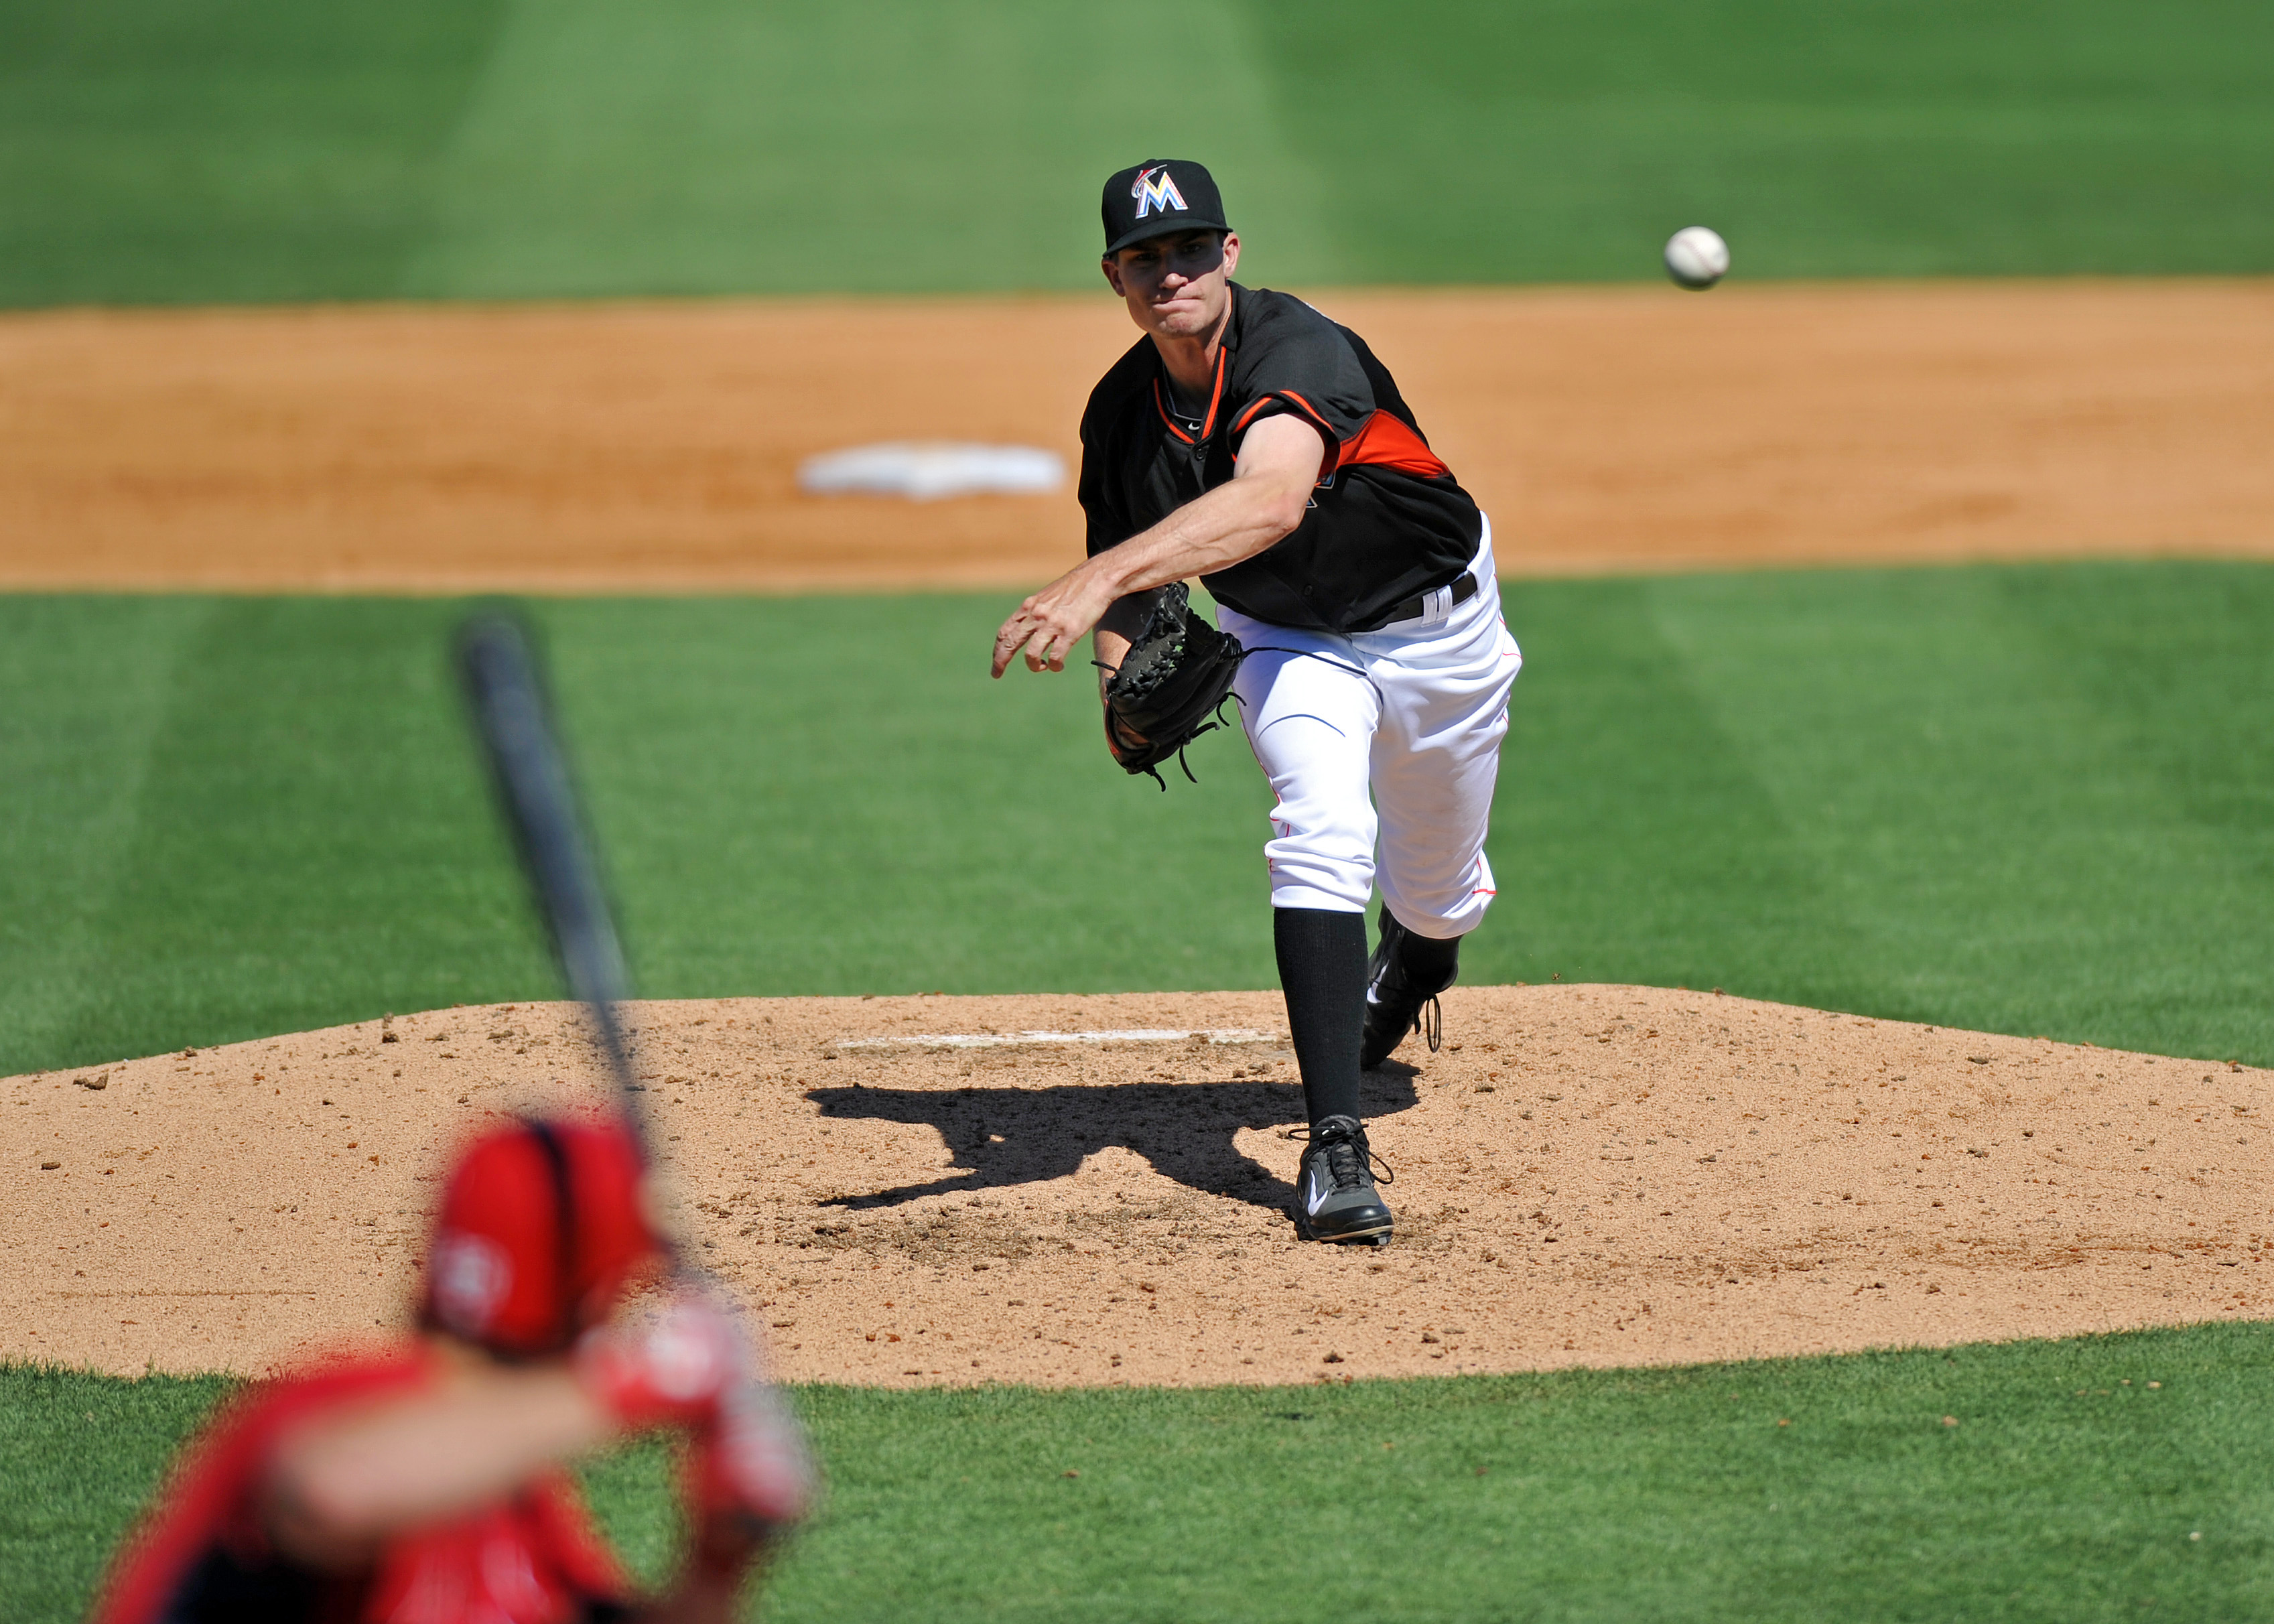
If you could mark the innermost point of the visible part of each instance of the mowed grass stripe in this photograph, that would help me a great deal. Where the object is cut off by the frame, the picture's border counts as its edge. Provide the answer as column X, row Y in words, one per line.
column 236, row 151
column 2034, row 799
column 2061, row 1487
column 1916, row 137
column 1955, row 827
column 256, row 150
column 302, row 825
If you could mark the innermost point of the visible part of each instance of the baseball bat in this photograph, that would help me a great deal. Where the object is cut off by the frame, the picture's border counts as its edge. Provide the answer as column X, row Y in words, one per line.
column 506, row 693
column 513, row 718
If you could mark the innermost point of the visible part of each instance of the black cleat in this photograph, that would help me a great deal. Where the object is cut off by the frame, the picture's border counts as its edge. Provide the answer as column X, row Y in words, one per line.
column 1398, row 995
column 1335, row 1194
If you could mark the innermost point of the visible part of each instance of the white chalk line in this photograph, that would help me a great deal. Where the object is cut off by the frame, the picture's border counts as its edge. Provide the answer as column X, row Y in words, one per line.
column 1018, row 1040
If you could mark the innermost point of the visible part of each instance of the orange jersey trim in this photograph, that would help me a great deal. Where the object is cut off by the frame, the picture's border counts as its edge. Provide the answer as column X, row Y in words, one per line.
column 1332, row 457
column 1387, row 442
column 1384, row 441
column 1208, row 423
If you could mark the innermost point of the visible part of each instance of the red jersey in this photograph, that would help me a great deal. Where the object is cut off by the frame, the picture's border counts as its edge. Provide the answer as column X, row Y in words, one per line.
column 202, row 1556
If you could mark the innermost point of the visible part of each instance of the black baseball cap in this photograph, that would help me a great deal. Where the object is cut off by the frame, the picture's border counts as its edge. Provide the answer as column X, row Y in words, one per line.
column 1155, row 198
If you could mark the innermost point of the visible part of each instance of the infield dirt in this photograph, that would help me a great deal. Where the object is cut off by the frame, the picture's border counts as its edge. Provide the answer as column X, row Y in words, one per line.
column 1601, row 1175
column 628, row 447
column 1586, row 1175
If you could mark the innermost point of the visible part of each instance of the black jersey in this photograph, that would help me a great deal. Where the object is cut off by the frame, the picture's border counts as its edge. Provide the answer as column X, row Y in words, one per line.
column 1388, row 521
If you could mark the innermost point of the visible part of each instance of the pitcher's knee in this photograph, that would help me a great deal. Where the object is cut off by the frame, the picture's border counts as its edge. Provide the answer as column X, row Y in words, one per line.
column 1441, row 910
column 1320, row 868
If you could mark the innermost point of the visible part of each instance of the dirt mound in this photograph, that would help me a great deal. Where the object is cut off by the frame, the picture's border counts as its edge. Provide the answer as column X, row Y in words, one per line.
column 965, row 1189
column 654, row 448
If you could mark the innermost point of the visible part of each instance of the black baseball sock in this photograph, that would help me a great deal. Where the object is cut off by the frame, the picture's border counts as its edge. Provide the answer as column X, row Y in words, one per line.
column 1322, row 972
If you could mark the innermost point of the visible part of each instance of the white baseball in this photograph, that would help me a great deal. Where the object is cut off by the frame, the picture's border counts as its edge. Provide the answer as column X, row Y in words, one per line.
column 1697, row 258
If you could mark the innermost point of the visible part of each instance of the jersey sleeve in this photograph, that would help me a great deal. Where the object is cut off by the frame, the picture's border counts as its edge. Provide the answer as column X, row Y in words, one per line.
column 1298, row 363
column 574, row 1540
column 201, row 1545
column 1116, row 407
column 206, row 1500
column 1106, row 523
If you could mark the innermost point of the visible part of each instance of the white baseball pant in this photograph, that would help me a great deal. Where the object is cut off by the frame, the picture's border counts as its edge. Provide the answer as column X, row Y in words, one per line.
column 1388, row 739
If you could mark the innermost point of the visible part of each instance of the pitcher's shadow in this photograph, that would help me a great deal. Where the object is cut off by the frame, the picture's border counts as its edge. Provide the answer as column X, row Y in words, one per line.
column 1003, row 1137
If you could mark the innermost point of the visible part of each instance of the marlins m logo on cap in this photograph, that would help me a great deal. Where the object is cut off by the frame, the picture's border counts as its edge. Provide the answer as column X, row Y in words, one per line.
column 1162, row 197
column 1155, row 191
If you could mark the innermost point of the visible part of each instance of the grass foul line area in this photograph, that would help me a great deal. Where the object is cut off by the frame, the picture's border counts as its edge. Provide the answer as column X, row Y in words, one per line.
column 2097, row 1478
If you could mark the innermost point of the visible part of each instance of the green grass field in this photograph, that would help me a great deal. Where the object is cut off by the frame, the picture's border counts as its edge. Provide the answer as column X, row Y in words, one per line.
column 155, row 151
column 2031, row 799
column 2068, row 1491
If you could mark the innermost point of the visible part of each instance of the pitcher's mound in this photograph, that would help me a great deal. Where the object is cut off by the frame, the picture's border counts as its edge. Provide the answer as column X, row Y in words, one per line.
column 1094, row 1190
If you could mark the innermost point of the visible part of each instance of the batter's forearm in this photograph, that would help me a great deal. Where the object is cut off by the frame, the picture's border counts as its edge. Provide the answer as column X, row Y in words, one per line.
column 337, row 1491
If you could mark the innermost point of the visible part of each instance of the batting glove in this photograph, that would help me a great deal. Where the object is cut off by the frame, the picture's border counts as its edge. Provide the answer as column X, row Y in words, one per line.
column 668, row 1368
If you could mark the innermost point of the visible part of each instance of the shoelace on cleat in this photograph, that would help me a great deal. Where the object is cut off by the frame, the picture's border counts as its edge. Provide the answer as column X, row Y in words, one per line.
column 1434, row 1031
column 1341, row 1146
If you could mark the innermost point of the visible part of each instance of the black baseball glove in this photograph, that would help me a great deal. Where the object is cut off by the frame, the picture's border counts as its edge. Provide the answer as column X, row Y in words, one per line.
column 1170, row 685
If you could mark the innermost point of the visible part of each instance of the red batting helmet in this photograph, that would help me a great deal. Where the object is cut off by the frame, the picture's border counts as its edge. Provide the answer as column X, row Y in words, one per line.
column 541, row 1225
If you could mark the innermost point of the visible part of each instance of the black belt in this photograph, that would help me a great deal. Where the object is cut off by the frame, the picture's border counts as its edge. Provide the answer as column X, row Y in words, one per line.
column 1414, row 608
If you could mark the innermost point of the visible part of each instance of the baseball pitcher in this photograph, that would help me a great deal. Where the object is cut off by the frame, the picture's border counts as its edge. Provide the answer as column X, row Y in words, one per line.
column 1250, row 441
